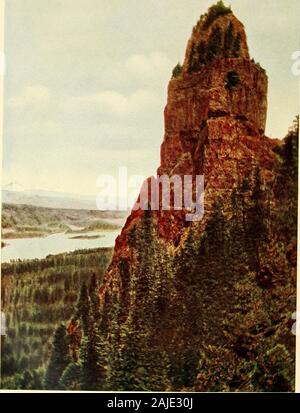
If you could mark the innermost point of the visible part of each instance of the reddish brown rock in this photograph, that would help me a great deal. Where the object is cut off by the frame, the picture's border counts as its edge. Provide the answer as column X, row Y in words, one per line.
column 203, row 32
column 214, row 126
column 181, row 298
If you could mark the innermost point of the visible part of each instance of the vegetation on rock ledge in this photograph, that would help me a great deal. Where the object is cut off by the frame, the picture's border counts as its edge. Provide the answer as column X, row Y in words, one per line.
column 214, row 12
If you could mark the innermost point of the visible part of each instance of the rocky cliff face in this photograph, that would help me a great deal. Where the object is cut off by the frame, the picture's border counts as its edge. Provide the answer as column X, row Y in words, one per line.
column 206, row 305
column 214, row 125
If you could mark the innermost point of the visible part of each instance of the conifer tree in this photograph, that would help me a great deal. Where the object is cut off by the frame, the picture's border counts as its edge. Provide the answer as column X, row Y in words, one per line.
column 59, row 359
column 216, row 235
column 83, row 308
column 193, row 63
column 115, row 373
column 237, row 46
column 92, row 357
column 94, row 299
column 37, row 381
column 202, row 52
column 186, row 260
column 126, row 358
column 26, row 381
column 229, row 40
column 256, row 216
column 70, row 379
column 214, row 44
column 177, row 71
column 141, row 365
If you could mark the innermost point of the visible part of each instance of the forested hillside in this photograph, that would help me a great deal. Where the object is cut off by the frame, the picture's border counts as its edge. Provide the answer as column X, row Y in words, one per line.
column 21, row 221
column 37, row 296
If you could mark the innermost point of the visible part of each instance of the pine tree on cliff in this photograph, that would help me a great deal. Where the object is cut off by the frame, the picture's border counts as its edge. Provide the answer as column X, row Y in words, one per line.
column 215, row 242
column 237, row 46
column 94, row 299
column 115, row 373
column 26, row 381
column 93, row 345
column 136, row 363
column 286, row 184
column 128, row 357
column 229, row 40
column 91, row 366
column 37, row 380
column 59, row 358
column 126, row 362
column 83, row 308
column 144, row 243
column 236, row 227
column 215, row 44
column 70, row 380
column 93, row 360
column 177, row 71
column 202, row 52
column 151, row 278
column 256, row 231
column 215, row 11
column 186, row 260
column 139, row 365
column 125, row 276
column 193, row 61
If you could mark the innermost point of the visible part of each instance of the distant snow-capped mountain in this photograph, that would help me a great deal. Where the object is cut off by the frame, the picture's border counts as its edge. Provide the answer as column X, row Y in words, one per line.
column 15, row 193
column 13, row 186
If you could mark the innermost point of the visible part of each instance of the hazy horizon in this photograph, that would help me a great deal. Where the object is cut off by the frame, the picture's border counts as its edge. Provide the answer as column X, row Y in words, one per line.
column 86, row 82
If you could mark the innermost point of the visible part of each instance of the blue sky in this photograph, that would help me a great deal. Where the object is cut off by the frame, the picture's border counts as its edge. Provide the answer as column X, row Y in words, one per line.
column 86, row 82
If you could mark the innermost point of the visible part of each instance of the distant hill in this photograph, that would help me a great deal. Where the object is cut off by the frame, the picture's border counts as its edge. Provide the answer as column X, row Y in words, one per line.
column 13, row 193
column 20, row 221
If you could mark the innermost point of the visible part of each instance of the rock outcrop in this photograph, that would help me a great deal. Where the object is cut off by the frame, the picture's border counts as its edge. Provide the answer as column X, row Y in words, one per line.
column 213, row 127
column 206, row 305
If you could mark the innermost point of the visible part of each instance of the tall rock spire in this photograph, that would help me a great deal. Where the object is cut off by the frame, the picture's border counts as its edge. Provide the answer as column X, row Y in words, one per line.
column 214, row 121
column 205, row 305
column 218, row 81
column 218, row 34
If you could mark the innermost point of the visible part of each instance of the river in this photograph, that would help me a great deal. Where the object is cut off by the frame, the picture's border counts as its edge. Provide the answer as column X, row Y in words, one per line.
column 40, row 247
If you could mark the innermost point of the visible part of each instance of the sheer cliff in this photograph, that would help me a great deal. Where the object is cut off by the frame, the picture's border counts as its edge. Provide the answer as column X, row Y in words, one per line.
column 207, row 305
